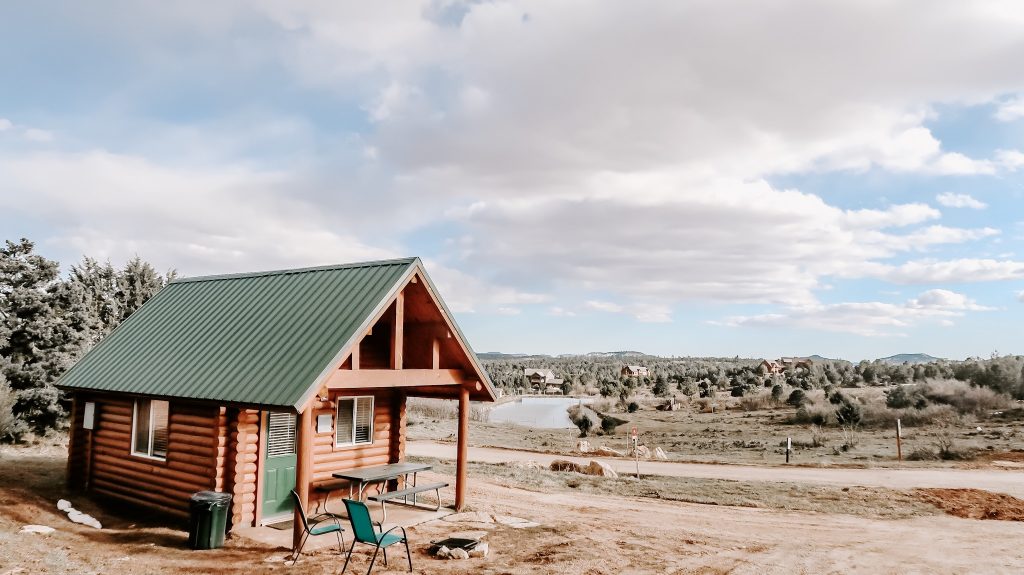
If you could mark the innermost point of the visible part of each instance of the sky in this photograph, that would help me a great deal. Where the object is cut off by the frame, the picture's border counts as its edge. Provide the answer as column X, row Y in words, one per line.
column 684, row 178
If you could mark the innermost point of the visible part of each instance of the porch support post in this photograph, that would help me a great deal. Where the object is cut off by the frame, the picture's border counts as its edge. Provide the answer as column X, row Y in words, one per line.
column 463, row 446
column 303, row 455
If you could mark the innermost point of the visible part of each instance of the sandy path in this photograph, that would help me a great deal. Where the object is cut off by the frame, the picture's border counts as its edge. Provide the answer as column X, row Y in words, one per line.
column 1010, row 482
column 604, row 534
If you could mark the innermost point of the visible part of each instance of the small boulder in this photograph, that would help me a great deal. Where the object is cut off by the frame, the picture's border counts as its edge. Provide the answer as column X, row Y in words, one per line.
column 531, row 464
column 564, row 465
column 600, row 469
column 583, row 446
column 64, row 505
column 642, row 451
column 480, row 550
column 458, row 553
column 602, row 450
column 443, row 552
column 659, row 453
column 37, row 529
column 85, row 519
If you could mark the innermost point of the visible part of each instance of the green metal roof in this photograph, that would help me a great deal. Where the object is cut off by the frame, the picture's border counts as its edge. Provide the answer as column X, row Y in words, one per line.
column 261, row 338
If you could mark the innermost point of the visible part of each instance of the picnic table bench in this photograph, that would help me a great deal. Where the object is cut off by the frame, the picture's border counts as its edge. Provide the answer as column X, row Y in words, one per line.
column 404, row 494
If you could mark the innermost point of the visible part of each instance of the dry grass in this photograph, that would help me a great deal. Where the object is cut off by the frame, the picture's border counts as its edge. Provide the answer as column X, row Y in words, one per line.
column 863, row 501
column 419, row 409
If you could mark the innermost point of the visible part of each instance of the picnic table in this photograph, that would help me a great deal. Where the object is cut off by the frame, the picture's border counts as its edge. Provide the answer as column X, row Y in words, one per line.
column 380, row 474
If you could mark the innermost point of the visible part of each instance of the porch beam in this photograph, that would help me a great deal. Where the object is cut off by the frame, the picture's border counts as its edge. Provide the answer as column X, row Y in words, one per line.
column 463, row 450
column 398, row 331
column 304, row 447
column 344, row 378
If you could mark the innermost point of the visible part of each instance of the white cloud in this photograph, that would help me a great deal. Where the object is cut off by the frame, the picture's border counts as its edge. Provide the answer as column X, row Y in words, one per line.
column 557, row 160
column 1011, row 160
column 1020, row 296
column 558, row 311
column 606, row 306
column 964, row 270
column 1010, row 110
column 37, row 135
column 508, row 311
column 951, row 200
column 5, row 124
column 870, row 319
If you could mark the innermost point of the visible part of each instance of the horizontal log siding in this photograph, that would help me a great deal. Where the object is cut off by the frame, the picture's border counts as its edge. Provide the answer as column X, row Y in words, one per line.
column 193, row 448
column 387, row 435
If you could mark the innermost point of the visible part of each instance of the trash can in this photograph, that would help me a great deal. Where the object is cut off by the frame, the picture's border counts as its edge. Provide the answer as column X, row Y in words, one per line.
column 208, row 519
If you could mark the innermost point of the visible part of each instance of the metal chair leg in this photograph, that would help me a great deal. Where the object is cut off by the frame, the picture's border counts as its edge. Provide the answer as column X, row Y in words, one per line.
column 302, row 543
column 374, row 560
column 350, row 549
column 408, row 554
column 384, row 550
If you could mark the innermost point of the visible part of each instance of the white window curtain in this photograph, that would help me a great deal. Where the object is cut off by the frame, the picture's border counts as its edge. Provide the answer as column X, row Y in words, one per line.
column 355, row 421
column 149, row 428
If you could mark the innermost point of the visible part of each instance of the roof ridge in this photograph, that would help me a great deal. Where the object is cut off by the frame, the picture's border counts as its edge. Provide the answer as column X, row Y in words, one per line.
column 242, row 275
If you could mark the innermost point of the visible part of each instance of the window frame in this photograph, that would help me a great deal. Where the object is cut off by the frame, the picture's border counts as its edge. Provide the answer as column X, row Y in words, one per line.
column 151, row 432
column 354, row 415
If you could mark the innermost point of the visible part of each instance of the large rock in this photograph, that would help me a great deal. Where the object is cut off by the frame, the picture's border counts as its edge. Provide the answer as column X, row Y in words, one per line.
column 458, row 553
column 602, row 450
column 64, row 505
column 659, row 453
column 583, row 446
column 564, row 465
column 600, row 469
column 642, row 451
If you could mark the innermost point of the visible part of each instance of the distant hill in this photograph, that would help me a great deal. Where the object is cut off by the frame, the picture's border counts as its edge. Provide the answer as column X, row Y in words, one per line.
column 616, row 354
column 500, row 355
column 901, row 358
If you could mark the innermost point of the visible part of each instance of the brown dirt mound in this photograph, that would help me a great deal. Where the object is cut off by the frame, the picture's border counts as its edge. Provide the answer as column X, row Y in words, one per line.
column 975, row 503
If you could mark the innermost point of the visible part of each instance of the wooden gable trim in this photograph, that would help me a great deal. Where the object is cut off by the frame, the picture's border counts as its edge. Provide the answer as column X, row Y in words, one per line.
column 414, row 274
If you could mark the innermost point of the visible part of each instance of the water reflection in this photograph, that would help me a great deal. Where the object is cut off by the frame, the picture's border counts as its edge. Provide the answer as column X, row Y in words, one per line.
column 543, row 412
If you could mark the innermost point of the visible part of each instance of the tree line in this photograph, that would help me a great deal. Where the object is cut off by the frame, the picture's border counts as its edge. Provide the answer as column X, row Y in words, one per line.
column 48, row 320
column 702, row 376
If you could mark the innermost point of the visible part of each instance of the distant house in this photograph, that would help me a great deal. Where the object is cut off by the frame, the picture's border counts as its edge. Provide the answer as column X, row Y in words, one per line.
column 795, row 363
column 770, row 367
column 541, row 380
column 635, row 371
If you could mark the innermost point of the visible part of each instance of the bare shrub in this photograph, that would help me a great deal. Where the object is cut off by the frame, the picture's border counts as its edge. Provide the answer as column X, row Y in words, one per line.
column 818, row 437
column 757, row 402
column 419, row 409
column 850, row 438
column 964, row 397
column 875, row 415
column 816, row 413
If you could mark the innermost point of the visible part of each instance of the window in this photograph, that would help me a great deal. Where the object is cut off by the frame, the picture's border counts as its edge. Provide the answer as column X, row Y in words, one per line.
column 149, row 428
column 355, row 421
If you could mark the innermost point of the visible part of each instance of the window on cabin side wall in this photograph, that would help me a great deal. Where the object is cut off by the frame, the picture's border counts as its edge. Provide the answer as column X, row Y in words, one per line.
column 355, row 421
column 149, row 428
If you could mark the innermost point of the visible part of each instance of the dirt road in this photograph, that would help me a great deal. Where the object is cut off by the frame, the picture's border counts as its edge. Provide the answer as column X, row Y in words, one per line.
column 1000, row 481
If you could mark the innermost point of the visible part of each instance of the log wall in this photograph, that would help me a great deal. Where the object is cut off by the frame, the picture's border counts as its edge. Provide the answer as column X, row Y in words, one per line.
column 194, row 446
column 242, row 466
column 388, row 437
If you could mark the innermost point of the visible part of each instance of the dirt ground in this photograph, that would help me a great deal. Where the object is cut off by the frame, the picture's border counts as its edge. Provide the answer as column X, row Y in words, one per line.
column 580, row 533
column 975, row 503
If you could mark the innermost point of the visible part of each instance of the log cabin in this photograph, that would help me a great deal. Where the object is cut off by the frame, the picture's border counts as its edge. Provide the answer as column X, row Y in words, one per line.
column 259, row 383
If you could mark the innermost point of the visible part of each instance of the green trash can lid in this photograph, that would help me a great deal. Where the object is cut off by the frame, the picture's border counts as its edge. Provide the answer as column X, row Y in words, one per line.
column 209, row 499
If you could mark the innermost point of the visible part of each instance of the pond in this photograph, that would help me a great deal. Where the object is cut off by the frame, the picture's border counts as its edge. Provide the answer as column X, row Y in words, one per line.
column 543, row 412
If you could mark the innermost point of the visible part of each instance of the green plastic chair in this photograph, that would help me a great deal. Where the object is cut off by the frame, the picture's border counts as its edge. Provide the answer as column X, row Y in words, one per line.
column 314, row 529
column 364, row 532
